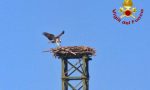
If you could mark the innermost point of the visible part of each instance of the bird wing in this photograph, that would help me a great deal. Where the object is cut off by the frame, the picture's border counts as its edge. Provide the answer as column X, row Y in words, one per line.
column 60, row 34
column 48, row 35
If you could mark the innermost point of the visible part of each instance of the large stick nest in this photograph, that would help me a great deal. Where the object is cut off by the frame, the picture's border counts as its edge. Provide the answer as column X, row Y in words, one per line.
column 71, row 52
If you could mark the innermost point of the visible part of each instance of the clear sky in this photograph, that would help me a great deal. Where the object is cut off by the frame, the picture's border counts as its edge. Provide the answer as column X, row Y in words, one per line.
column 122, row 60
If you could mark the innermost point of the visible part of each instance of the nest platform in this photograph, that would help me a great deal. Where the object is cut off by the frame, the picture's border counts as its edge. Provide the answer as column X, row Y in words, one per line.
column 71, row 52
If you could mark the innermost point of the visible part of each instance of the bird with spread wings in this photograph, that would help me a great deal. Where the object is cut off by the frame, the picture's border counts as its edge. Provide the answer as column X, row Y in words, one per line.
column 54, row 39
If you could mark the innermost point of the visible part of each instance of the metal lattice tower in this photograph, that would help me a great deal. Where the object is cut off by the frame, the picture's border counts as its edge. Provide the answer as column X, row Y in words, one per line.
column 78, row 68
column 75, row 66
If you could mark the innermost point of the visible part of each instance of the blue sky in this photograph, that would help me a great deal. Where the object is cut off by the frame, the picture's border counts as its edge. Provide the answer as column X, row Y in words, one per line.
column 122, row 61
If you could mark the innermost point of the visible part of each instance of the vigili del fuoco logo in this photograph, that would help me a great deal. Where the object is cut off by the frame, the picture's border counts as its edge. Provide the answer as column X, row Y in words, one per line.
column 127, row 14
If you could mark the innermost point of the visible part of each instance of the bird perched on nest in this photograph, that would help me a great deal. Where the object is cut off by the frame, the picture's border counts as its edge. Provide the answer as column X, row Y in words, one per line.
column 54, row 39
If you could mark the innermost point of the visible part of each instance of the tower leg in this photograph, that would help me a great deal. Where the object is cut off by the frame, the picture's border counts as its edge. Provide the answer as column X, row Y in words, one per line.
column 64, row 74
column 85, row 74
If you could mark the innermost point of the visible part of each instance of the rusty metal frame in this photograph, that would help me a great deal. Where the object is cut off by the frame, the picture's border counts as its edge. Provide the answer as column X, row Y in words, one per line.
column 81, row 67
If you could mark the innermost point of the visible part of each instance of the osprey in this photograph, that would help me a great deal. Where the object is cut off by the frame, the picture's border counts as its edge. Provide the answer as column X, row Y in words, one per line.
column 53, row 38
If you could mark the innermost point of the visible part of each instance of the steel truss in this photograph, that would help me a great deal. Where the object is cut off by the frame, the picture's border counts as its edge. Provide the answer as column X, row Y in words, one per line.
column 79, row 68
